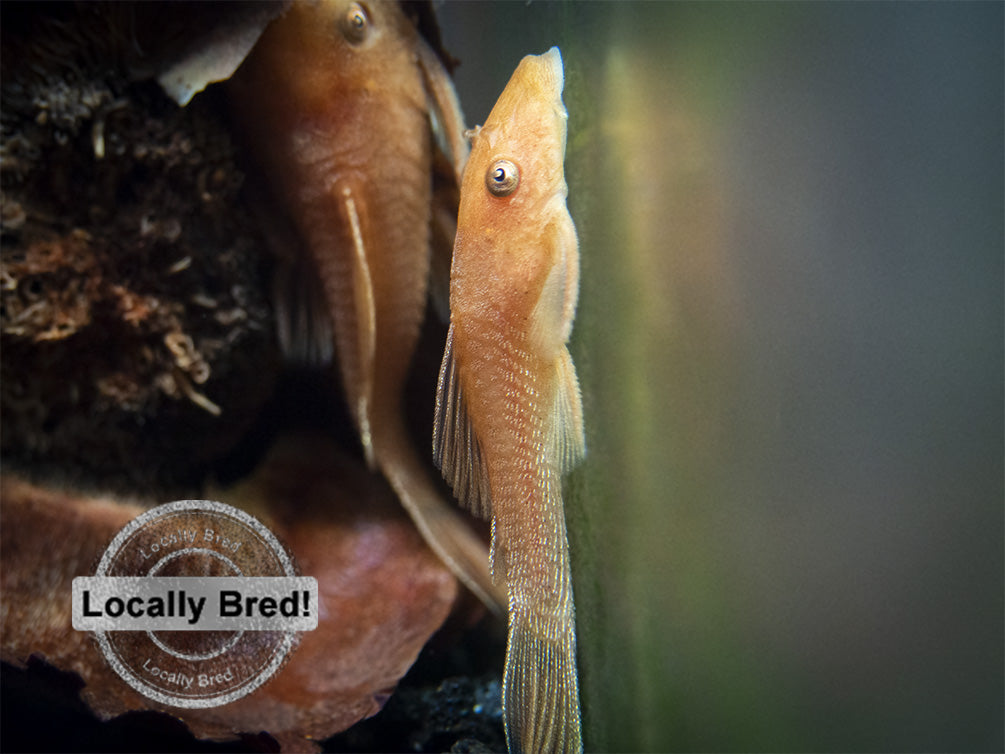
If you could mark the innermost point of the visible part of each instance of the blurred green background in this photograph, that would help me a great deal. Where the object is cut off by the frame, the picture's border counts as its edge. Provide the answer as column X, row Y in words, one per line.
column 788, row 534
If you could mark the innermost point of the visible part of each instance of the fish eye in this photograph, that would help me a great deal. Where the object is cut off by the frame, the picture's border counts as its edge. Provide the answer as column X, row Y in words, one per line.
column 355, row 23
column 502, row 178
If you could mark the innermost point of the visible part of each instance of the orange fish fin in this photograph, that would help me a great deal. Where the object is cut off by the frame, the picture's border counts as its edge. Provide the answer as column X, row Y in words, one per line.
column 568, row 432
column 540, row 687
column 366, row 323
column 455, row 446
column 551, row 320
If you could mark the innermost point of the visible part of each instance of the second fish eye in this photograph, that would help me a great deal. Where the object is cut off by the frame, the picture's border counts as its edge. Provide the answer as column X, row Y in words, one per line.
column 355, row 23
column 502, row 178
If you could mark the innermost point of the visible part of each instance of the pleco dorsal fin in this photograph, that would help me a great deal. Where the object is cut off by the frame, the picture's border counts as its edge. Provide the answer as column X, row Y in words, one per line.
column 455, row 446
column 366, row 325
column 568, row 433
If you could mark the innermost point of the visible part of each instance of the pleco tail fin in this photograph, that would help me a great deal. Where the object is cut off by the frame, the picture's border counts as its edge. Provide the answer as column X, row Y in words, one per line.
column 540, row 688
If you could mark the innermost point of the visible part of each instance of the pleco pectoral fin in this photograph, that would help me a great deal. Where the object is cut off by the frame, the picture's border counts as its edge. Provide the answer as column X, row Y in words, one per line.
column 456, row 451
column 568, row 432
column 303, row 322
column 366, row 323
column 551, row 320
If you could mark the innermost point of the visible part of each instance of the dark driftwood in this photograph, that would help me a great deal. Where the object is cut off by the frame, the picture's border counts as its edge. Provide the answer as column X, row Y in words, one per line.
column 139, row 358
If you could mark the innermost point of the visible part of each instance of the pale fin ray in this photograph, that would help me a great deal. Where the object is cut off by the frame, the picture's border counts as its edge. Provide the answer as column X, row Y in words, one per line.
column 567, row 430
column 441, row 526
column 569, row 245
column 303, row 323
column 456, row 450
column 366, row 325
column 497, row 563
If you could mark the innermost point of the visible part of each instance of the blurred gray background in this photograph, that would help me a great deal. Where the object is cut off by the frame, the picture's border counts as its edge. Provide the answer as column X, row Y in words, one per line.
column 788, row 535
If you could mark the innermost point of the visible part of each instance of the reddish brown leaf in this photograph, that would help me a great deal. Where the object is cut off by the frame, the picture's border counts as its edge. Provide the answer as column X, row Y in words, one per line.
column 382, row 592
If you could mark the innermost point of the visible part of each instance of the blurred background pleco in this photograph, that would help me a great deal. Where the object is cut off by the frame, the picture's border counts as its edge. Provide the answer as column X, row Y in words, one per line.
column 788, row 534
